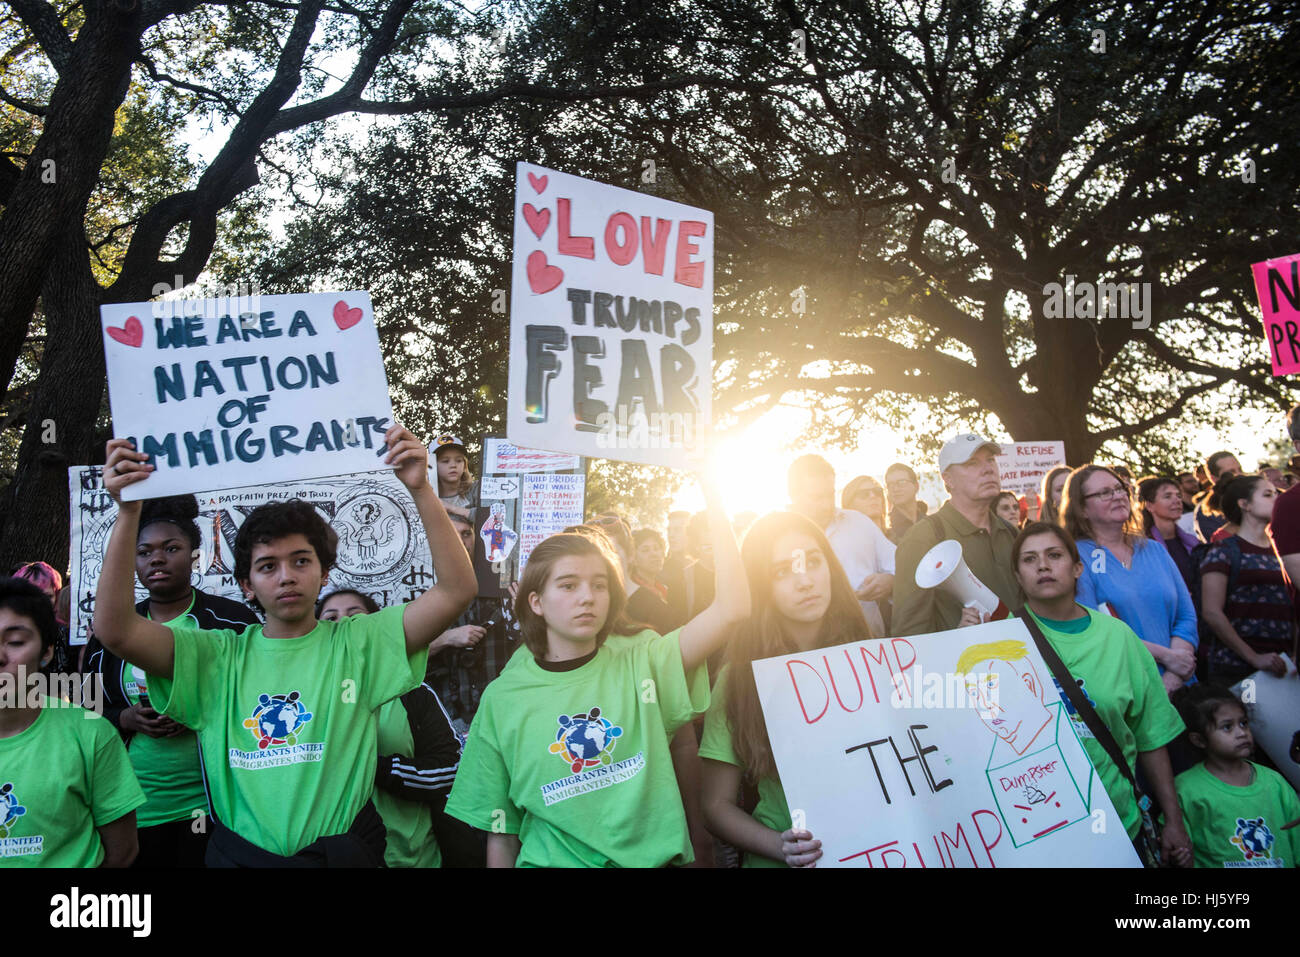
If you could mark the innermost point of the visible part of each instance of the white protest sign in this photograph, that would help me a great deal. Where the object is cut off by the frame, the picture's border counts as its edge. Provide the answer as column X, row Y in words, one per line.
column 945, row 750
column 611, row 320
column 1022, row 465
column 499, row 487
column 226, row 393
column 382, row 549
column 1274, row 705
column 549, row 504
column 502, row 456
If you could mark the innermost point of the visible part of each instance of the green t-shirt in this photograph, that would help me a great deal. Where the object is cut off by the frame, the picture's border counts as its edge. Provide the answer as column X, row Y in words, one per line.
column 60, row 779
column 1119, row 678
column 772, row 811
column 1240, row 826
column 287, row 726
column 577, row 762
column 409, row 823
column 167, row 768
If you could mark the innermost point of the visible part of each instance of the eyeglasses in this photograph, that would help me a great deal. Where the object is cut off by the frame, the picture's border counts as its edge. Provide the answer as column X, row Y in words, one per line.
column 605, row 520
column 1108, row 493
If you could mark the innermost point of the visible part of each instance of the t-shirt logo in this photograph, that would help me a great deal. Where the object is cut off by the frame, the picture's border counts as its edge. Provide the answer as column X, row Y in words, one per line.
column 10, row 809
column 1253, row 839
column 277, row 719
column 585, row 740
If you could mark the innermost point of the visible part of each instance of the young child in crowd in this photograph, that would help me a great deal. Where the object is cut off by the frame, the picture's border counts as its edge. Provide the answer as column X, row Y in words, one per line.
column 1235, row 810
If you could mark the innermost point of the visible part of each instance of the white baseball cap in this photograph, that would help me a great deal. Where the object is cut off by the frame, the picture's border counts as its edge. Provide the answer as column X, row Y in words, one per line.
column 962, row 447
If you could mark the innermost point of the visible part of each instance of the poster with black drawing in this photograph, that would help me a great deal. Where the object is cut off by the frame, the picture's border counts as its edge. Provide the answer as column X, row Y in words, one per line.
column 382, row 548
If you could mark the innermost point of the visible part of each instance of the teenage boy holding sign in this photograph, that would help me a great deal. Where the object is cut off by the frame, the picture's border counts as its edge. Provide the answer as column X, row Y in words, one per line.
column 287, row 710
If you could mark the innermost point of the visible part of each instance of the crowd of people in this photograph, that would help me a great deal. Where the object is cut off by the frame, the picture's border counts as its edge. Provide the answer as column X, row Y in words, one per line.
column 307, row 726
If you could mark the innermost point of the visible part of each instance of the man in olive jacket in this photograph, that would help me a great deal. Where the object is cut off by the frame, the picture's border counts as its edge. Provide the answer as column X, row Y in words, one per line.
column 970, row 473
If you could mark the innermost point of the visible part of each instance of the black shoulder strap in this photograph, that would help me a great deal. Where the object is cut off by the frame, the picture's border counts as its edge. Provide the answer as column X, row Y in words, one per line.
column 1076, row 695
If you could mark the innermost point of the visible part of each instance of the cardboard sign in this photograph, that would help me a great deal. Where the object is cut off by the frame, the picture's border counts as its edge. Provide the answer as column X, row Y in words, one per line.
column 382, row 550
column 1022, row 465
column 1274, row 706
column 223, row 394
column 1277, row 284
column 611, row 328
column 946, row 750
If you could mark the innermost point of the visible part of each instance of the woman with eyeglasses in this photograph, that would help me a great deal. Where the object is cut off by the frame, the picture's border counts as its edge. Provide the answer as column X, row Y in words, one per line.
column 1132, row 574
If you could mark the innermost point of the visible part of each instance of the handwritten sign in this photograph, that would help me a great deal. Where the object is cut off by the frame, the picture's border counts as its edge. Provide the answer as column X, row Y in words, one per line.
column 611, row 332
column 1022, row 465
column 946, row 750
column 1277, row 284
column 268, row 389
column 382, row 548
column 548, row 504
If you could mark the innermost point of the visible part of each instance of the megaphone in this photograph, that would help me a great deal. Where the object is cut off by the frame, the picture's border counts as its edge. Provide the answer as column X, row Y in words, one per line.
column 944, row 567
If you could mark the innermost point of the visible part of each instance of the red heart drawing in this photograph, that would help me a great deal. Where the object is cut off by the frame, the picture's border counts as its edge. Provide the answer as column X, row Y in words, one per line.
column 131, row 333
column 344, row 317
column 537, row 220
column 539, row 182
column 542, row 276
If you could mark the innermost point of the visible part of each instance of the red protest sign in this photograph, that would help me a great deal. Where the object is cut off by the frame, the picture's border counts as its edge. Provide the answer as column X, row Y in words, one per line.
column 1277, row 284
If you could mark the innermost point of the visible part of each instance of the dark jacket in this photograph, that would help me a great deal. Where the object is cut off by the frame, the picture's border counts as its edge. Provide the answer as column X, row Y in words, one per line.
column 209, row 611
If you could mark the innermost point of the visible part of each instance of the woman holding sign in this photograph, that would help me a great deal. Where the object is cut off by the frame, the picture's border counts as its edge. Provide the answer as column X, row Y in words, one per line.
column 165, row 754
column 802, row 600
column 568, row 761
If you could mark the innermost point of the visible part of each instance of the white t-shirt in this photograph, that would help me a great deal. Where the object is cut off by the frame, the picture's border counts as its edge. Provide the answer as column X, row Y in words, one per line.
column 863, row 549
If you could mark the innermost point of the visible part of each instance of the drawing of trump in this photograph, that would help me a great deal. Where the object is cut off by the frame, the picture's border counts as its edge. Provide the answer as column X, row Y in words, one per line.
column 1039, row 774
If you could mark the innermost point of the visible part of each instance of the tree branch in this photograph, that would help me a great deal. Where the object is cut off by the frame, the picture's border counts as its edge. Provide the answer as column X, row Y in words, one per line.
column 43, row 20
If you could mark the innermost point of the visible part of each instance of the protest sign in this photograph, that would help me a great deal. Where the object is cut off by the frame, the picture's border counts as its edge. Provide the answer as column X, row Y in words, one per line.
column 227, row 393
column 611, row 328
column 382, row 549
column 524, row 496
column 549, row 503
column 1277, row 284
column 946, row 750
column 1274, row 705
column 1022, row 465
column 500, row 456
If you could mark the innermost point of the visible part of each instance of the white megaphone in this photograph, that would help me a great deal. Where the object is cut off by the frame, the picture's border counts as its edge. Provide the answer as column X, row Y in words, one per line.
column 944, row 567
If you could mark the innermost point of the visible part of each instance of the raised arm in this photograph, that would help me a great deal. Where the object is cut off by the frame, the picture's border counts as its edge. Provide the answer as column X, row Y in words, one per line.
column 708, row 630
column 117, row 626
column 429, row 615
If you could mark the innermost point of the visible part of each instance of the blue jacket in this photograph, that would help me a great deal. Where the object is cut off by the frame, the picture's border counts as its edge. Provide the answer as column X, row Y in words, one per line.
column 1150, row 597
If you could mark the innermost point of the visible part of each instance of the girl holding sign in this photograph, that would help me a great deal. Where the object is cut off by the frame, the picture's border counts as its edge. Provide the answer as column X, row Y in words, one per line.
column 164, row 753
column 568, row 763
column 802, row 600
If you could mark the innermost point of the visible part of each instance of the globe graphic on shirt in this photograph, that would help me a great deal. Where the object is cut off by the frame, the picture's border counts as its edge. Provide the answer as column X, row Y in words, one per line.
column 585, row 740
column 277, row 719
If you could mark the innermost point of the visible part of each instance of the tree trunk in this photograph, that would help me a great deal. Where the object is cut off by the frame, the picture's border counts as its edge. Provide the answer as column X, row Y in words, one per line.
column 66, row 400
column 63, row 168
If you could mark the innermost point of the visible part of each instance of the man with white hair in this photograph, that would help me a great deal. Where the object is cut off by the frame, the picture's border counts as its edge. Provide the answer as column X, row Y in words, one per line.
column 969, row 468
